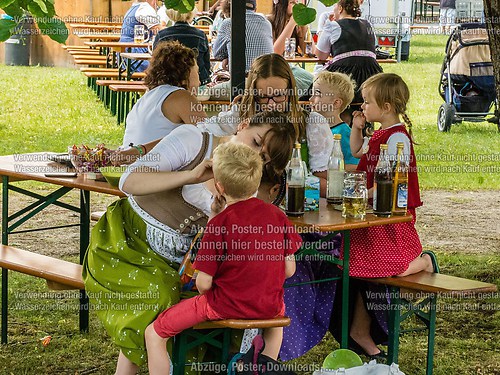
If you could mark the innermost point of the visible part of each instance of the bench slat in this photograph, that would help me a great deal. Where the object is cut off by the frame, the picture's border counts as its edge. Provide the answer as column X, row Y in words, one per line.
column 45, row 267
column 281, row 321
column 438, row 283
column 128, row 88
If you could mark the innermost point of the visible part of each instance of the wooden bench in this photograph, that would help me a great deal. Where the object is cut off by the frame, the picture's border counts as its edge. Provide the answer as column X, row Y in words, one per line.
column 102, row 63
column 218, row 336
column 73, row 47
column 89, row 52
column 84, row 69
column 426, row 286
column 95, row 216
column 123, row 97
column 95, row 74
column 60, row 274
column 90, row 57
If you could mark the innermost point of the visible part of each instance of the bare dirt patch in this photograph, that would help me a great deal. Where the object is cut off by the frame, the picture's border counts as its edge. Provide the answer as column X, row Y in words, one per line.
column 464, row 221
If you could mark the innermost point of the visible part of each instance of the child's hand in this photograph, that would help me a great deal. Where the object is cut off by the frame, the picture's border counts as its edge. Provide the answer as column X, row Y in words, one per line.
column 202, row 172
column 237, row 99
column 218, row 204
column 358, row 120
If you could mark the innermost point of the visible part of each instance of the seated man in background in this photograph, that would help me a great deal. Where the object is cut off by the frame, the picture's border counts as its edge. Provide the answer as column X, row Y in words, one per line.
column 190, row 37
column 258, row 41
column 142, row 12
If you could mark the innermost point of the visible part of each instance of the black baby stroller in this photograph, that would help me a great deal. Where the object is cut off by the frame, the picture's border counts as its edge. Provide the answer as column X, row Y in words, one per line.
column 467, row 84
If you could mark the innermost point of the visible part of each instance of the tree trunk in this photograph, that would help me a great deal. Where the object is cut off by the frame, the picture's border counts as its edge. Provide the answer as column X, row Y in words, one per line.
column 492, row 14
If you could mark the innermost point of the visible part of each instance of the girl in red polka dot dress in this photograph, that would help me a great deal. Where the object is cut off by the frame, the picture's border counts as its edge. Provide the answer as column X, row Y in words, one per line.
column 395, row 249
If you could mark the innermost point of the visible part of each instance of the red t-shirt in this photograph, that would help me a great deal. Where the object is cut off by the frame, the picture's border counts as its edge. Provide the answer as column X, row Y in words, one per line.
column 244, row 249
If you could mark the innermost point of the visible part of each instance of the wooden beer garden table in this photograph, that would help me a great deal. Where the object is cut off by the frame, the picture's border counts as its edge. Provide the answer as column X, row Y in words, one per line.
column 100, row 37
column 32, row 167
column 117, row 48
column 328, row 219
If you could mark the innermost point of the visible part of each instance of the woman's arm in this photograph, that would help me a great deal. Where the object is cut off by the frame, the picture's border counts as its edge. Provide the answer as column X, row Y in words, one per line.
column 151, row 181
column 279, row 43
column 330, row 34
column 181, row 107
column 203, row 282
column 159, row 170
column 323, row 176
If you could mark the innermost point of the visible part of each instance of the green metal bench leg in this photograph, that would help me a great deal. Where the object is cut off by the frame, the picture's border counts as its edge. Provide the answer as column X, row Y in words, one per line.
column 394, row 325
column 179, row 354
column 431, row 335
column 113, row 102
column 107, row 96
column 226, row 343
column 119, row 108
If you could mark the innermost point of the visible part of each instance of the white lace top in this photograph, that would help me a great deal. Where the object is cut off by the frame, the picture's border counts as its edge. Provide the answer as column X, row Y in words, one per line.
column 319, row 136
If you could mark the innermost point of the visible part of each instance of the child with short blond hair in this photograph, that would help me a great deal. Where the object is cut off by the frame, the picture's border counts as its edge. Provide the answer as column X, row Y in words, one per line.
column 332, row 94
column 242, row 262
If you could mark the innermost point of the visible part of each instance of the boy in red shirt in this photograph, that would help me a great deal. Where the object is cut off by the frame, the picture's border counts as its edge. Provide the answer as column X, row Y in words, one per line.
column 244, row 257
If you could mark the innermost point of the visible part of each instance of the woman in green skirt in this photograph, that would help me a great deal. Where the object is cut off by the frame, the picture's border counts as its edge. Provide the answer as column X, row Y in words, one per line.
column 130, row 269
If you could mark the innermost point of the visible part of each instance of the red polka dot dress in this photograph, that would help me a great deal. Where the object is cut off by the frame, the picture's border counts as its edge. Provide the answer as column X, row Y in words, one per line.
column 386, row 250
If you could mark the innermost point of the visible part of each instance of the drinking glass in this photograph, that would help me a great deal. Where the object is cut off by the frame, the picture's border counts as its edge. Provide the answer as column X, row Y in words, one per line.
column 290, row 48
column 140, row 34
column 355, row 195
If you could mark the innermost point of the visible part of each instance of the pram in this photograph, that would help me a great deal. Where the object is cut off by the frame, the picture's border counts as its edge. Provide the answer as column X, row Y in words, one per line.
column 467, row 83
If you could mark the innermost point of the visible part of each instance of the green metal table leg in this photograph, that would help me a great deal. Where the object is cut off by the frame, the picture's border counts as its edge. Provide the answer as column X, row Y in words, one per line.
column 345, row 291
column 394, row 325
column 431, row 335
column 84, row 244
column 5, row 241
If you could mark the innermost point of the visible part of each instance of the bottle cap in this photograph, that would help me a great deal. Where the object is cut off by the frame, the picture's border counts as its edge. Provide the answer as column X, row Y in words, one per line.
column 400, row 145
column 384, row 146
column 337, row 137
column 296, row 145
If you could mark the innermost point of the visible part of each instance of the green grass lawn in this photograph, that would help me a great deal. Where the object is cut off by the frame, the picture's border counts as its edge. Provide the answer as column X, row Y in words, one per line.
column 45, row 109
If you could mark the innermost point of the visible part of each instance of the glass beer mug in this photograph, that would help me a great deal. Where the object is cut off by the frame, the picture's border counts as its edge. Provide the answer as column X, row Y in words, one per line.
column 141, row 35
column 355, row 195
column 290, row 48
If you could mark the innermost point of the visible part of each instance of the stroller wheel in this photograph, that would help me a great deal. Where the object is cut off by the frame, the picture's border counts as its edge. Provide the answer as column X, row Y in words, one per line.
column 445, row 117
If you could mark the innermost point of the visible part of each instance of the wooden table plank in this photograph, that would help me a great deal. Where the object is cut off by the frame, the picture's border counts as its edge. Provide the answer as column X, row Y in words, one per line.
column 328, row 219
column 34, row 166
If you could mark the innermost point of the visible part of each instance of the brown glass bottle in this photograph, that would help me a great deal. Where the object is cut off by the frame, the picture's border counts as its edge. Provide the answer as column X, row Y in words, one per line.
column 382, row 185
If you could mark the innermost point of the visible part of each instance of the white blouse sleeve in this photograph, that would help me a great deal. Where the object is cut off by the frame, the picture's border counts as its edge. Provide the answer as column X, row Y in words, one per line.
column 173, row 152
column 330, row 34
column 319, row 142
column 392, row 149
column 223, row 124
